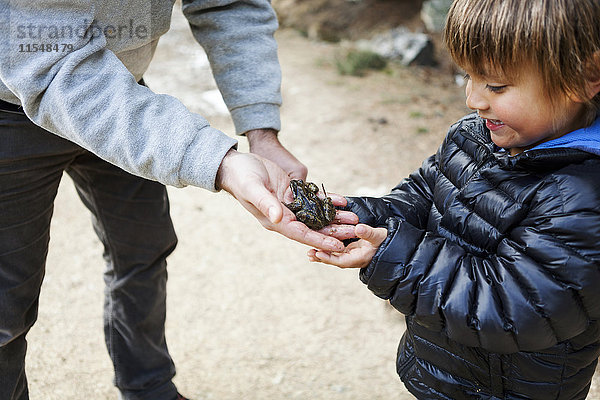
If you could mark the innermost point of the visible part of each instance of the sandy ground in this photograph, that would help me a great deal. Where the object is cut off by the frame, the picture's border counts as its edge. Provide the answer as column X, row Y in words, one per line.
column 248, row 316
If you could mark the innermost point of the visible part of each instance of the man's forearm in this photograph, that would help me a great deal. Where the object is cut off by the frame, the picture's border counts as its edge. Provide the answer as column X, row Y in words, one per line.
column 238, row 38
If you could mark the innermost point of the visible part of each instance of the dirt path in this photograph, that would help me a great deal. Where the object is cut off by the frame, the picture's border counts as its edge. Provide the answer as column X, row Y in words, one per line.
column 249, row 317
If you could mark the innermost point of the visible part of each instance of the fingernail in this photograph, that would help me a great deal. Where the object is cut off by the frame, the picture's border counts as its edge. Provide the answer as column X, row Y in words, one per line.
column 271, row 214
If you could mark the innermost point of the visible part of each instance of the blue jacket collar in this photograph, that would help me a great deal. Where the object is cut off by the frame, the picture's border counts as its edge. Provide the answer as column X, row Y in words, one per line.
column 586, row 139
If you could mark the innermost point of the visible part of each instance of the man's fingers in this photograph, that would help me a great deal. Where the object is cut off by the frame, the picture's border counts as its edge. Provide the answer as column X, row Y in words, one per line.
column 255, row 179
column 346, row 217
column 274, row 214
column 337, row 200
column 293, row 229
column 299, row 232
column 299, row 172
column 316, row 239
column 340, row 232
column 288, row 196
column 265, row 202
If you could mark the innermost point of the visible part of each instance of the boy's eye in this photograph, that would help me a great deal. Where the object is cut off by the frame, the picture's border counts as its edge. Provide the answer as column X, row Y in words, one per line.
column 495, row 89
column 467, row 77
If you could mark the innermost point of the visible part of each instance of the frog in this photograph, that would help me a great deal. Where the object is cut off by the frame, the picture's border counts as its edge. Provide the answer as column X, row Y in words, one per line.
column 309, row 208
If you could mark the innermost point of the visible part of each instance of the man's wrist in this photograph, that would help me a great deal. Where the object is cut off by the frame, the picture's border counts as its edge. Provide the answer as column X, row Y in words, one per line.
column 258, row 135
column 220, row 179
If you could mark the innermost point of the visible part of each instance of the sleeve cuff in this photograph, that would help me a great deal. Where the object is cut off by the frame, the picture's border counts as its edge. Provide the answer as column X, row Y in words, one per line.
column 388, row 267
column 367, row 272
column 203, row 157
column 256, row 116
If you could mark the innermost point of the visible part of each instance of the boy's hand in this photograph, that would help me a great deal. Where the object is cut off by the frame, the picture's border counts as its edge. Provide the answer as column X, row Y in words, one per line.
column 357, row 254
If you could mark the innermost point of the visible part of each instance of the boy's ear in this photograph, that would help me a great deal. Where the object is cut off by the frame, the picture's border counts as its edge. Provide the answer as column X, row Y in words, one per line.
column 593, row 69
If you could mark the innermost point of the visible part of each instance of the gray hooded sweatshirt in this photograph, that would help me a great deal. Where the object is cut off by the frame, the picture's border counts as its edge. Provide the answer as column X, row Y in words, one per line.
column 74, row 68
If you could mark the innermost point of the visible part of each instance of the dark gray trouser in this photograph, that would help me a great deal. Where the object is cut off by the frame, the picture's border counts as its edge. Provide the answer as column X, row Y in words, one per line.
column 131, row 218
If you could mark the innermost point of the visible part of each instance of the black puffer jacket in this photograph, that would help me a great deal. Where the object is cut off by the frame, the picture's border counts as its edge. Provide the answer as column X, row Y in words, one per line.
column 495, row 261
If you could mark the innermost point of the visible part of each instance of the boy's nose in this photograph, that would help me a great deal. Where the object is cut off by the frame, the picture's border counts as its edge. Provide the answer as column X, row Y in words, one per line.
column 475, row 100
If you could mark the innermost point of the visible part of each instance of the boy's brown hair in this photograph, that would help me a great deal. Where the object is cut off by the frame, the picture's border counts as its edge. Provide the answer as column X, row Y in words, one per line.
column 559, row 37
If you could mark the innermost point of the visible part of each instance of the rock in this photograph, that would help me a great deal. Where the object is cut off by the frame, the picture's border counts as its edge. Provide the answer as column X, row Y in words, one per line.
column 434, row 14
column 325, row 31
column 402, row 45
column 338, row 20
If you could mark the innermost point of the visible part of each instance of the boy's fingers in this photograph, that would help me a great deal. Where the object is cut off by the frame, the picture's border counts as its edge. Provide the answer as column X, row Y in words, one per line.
column 327, row 258
column 375, row 236
column 341, row 260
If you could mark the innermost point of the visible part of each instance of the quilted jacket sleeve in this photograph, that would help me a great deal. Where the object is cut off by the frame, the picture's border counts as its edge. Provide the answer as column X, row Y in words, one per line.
column 411, row 199
column 538, row 288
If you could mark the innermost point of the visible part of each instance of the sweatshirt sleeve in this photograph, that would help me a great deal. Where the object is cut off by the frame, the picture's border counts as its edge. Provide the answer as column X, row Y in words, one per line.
column 81, row 91
column 238, row 39
column 539, row 287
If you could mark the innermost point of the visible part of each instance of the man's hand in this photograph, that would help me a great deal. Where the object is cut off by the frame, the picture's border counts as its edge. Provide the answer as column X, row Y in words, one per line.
column 261, row 187
column 342, row 227
column 264, row 142
column 357, row 254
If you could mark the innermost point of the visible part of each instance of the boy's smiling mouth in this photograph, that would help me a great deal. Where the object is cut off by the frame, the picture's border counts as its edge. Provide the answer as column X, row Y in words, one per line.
column 493, row 124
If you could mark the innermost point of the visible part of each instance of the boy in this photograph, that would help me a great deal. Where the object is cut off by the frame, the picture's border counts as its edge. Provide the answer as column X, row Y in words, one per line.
column 491, row 248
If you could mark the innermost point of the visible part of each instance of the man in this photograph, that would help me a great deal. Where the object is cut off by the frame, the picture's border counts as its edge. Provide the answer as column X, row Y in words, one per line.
column 73, row 99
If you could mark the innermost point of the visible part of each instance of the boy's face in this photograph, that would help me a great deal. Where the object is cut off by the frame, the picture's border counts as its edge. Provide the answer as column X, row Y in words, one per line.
column 519, row 113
